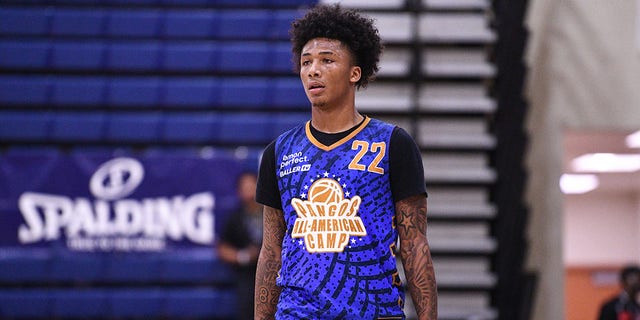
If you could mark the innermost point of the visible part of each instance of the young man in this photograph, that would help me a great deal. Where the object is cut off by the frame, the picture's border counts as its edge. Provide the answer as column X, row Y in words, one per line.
column 339, row 190
column 240, row 243
column 626, row 305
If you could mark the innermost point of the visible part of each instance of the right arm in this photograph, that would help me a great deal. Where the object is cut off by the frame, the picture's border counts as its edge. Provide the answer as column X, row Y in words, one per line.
column 269, row 262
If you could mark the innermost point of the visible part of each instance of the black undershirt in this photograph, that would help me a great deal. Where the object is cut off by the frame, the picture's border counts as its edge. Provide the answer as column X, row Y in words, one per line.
column 406, row 173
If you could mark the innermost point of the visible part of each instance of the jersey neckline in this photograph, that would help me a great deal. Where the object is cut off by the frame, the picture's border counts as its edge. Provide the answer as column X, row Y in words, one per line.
column 336, row 144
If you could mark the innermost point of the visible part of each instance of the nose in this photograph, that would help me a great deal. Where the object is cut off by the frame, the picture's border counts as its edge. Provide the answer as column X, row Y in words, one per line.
column 313, row 70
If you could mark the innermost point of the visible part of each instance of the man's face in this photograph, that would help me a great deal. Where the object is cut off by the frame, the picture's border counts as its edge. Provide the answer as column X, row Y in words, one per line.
column 247, row 188
column 327, row 72
column 631, row 282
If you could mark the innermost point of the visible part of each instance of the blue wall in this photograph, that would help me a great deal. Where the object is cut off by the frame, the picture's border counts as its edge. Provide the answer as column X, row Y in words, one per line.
column 190, row 89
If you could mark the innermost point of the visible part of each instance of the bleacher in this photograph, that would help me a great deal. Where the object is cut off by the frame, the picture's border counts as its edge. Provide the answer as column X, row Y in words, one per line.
column 435, row 82
column 179, row 79
column 49, row 284
column 167, row 76
column 140, row 71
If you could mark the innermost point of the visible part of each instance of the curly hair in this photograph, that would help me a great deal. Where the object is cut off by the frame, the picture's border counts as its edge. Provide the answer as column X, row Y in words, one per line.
column 355, row 31
column 628, row 271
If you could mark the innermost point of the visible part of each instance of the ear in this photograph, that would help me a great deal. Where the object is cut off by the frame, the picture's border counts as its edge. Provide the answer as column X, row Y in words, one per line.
column 356, row 74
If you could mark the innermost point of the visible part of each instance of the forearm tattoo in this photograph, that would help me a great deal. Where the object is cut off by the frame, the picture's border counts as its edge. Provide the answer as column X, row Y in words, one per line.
column 411, row 219
column 267, row 292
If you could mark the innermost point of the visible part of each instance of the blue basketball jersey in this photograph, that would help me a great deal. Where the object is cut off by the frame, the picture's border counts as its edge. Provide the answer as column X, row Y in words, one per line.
column 338, row 250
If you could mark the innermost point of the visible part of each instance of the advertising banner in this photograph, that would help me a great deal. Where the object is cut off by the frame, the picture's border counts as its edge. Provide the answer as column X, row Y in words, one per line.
column 101, row 202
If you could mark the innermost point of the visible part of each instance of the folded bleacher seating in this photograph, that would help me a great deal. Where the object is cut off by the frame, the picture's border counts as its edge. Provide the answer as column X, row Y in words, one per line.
column 134, row 92
column 191, row 24
column 196, row 267
column 284, row 122
column 133, row 56
column 468, row 134
column 15, row 54
column 78, row 303
column 288, row 93
column 394, row 27
column 458, row 168
column 245, row 128
column 24, row 90
column 456, row 4
column 455, row 28
column 78, row 92
column 80, row 268
column 103, row 74
column 77, row 55
column 244, row 57
column 24, row 21
column 78, row 126
column 197, row 92
column 190, row 128
column 199, row 303
column 251, row 92
column 461, row 63
column 456, row 98
column 395, row 62
column 282, row 62
column 20, row 266
column 126, row 268
column 137, row 303
column 369, row 5
column 146, row 303
column 133, row 127
column 25, row 125
column 14, row 302
column 77, row 22
column 197, row 56
column 244, row 24
column 385, row 96
column 125, row 24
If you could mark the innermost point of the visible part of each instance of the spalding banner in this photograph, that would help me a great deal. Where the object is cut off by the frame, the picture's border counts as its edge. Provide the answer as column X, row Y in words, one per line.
column 97, row 202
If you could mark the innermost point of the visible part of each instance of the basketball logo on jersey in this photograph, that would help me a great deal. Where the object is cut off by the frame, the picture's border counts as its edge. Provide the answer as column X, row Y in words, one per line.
column 326, row 219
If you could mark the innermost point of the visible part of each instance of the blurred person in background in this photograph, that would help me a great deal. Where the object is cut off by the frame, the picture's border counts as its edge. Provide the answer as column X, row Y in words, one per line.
column 241, row 240
column 626, row 305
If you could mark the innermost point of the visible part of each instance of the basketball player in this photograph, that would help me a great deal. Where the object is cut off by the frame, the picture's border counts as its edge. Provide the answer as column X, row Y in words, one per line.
column 339, row 190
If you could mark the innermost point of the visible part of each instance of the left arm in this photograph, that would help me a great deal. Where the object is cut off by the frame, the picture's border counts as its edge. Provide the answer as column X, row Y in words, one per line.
column 411, row 219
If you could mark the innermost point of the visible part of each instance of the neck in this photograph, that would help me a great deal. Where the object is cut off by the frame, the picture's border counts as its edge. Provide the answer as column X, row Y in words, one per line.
column 335, row 119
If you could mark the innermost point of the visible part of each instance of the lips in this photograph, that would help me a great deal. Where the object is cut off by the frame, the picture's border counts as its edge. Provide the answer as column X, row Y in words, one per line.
column 315, row 87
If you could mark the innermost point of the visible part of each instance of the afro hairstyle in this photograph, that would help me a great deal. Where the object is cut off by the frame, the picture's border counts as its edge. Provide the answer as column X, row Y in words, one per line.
column 353, row 30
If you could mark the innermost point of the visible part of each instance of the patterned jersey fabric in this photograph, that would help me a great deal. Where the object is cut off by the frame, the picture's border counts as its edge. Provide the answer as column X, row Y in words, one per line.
column 338, row 251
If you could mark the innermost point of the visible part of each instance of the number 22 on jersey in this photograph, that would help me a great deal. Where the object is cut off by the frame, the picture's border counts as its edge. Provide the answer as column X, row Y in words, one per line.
column 378, row 148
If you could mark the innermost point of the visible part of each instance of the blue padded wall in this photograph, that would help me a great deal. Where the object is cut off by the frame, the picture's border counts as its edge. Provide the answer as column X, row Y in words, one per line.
column 168, row 77
column 195, row 56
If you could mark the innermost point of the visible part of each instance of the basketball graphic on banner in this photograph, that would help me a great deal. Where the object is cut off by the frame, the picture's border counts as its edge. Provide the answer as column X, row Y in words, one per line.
column 325, row 190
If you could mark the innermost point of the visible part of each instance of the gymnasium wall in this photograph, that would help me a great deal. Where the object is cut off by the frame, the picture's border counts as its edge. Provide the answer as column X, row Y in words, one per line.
column 123, row 128
column 584, row 70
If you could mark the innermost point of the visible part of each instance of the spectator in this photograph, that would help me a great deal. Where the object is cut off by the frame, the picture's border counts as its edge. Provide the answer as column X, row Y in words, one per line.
column 240, row 242
column 626, row 305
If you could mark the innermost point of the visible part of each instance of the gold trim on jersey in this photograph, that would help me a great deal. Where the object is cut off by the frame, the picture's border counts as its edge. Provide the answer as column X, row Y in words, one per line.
column 321, row 146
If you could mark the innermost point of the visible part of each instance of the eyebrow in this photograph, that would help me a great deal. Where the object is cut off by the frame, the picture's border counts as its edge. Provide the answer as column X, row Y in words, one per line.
column 320, row 53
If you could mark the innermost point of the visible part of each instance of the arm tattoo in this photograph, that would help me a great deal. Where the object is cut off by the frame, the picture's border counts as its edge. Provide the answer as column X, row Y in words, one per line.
column 411, row 218
column 269, row 262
